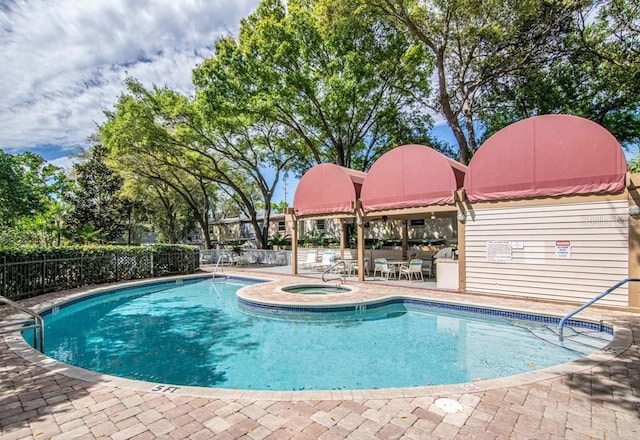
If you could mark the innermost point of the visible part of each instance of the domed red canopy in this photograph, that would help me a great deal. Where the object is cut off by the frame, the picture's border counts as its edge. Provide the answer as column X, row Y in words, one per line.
column 546, row 155
column 411, row 176
column 327, row 189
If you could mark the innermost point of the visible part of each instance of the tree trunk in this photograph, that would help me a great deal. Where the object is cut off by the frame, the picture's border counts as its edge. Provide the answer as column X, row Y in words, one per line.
column 450, row 115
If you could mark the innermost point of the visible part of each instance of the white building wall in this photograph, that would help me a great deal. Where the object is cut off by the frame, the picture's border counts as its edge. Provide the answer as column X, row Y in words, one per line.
column 596, row 231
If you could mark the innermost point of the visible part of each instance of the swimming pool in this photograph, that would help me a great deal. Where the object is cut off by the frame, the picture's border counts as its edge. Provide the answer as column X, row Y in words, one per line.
column 194, row 333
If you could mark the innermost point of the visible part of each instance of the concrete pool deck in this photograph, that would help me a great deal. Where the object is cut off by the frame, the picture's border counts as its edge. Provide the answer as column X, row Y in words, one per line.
column 40, row 399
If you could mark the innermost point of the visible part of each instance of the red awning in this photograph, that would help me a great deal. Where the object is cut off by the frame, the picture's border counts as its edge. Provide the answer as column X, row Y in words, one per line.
column 411, row 176
column 327, row 189
column 546, row 155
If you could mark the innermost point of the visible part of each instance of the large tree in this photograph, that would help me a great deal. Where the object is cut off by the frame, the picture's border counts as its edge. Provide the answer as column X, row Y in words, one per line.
column 30, row 191
column 161, row 209
column 162, row 135
column 96, row 210
column 139, row 142
column 475, row 44
column 597, row 78
column 346, row 85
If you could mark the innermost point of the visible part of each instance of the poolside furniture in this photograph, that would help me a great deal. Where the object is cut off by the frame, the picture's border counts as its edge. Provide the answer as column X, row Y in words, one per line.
column 395, row 265
column 225, row 258
column 206, row 258
column 239, row 260
column 382, row 265
column 354, row 269
column 312, row 259
column 328, row 258
column 427, row 267
column 281, row 259
column 250, row 257
column 414, row 269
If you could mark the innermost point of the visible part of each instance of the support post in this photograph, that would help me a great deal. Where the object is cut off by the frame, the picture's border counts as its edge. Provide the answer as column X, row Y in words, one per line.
column 360, row 229
column 292, row 222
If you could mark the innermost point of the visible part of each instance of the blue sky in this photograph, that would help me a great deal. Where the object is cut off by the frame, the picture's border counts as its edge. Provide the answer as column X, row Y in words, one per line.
column 63, row 62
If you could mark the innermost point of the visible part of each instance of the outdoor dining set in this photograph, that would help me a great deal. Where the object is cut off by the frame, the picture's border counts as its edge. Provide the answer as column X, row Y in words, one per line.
column 412, row 269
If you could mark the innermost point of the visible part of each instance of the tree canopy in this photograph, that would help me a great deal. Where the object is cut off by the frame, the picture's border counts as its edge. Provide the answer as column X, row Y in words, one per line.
column 476, row 44
column 597, row 76
column 344, row 86
column 30, row 191
column 96, row 210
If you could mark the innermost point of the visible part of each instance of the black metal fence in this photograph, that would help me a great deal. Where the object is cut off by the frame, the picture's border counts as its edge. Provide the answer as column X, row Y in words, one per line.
column 23, row 279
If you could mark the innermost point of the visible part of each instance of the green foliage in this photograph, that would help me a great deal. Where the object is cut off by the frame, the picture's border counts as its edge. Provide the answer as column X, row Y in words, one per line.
column 278, row 239
column 279, row 207
column 314, row 237
column 345, row 86
column 634, row 165
column 30, row 192
column 97, row 213
column 167, row 139
column 31, row 271
column 27, row 185
column 476, row 44
column 598, row 76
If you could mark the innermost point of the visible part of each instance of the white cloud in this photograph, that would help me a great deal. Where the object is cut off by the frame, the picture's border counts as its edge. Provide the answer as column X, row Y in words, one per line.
column 62, row 62
column 65, row 162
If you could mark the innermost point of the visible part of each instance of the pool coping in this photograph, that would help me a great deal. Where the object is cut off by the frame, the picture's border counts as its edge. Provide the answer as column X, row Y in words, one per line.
column 622, row 340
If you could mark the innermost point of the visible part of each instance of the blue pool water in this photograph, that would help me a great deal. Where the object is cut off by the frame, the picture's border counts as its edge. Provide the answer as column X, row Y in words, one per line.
column 194, row 333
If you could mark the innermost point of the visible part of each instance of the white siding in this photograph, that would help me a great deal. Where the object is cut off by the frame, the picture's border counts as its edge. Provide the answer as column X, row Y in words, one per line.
column 598, row 232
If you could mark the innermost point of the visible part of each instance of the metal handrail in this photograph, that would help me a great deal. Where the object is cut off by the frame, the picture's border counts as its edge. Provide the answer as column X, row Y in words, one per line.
column 588, row 303
column 38, row 322
column 217, row 265
column 344, row 272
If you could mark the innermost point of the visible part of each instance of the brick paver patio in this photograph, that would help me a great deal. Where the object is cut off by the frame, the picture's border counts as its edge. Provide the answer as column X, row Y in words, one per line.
column 41, row 401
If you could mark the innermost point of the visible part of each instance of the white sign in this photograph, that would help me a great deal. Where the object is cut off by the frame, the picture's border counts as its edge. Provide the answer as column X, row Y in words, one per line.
column 499, row 251
column 563, row 249
column 517, row 245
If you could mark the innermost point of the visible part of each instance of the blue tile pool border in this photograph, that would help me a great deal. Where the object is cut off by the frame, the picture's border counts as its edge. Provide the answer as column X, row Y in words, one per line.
column 278, row 309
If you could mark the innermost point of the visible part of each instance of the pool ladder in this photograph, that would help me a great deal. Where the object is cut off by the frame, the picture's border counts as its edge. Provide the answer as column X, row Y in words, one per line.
column 329, row 270
column 37, row 324
column 564, row 320
column 215, row 268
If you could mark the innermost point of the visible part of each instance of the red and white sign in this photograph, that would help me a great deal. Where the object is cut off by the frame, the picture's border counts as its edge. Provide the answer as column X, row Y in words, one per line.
column 563, row 249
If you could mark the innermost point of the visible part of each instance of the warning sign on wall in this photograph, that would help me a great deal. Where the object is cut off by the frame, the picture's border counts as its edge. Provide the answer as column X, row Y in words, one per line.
column 563, row 249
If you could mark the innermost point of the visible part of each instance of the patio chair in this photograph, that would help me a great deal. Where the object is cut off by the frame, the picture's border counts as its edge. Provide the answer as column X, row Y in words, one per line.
column 413, row 269
column 312, row 259
column 327, row 260
column 251, row 257
column 354, row 269
column 427, row 267
column 225, row 258
column 381, row 265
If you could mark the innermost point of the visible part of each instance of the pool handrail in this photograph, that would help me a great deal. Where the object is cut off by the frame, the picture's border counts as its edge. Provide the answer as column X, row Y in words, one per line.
column 330, row 268
column 37, row 326
column 591, row 301
column 215, row 268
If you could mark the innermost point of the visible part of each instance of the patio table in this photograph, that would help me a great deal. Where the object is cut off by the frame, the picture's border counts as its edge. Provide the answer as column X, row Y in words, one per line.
column 397, row 264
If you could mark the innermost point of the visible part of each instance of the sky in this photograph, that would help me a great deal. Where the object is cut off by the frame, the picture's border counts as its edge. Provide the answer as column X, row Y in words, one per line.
column 63, row 62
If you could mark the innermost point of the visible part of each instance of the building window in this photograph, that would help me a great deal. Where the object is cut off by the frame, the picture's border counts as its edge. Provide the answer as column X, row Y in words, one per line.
column 281, row 226
column 320, row 225
column 419, row 222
